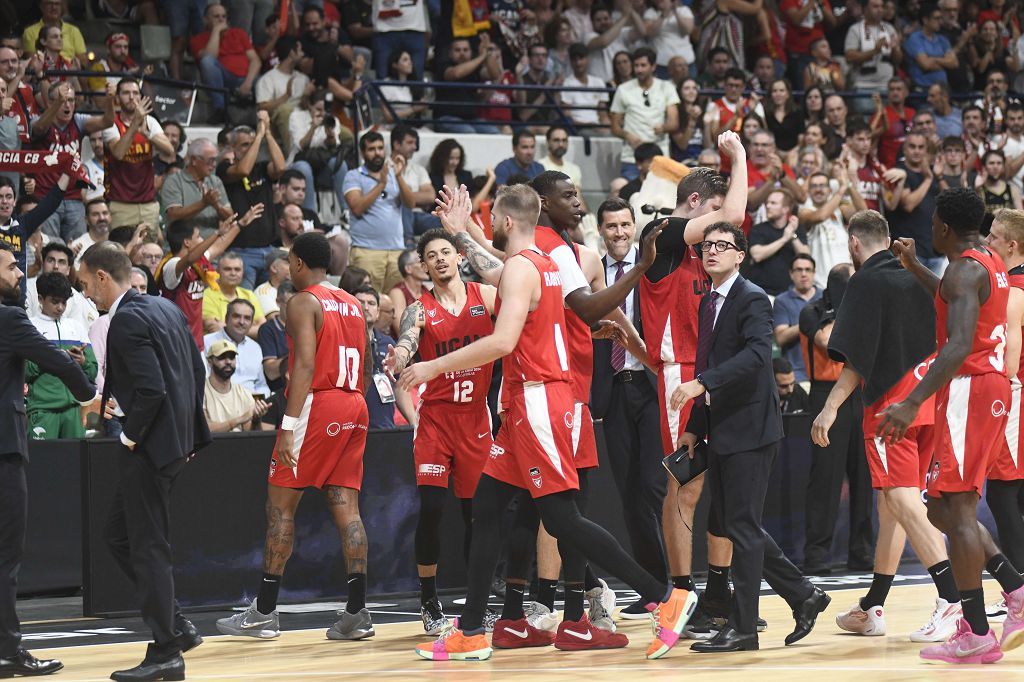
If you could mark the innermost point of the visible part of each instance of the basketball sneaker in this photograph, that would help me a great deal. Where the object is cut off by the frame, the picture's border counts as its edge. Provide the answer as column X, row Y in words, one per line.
column 870, row 623
column 996, row 613
column 538, row 616
column 602, row 601
column 583, row 635
column 965, row 647
column 942, row 623
column 519, row 634
column 251, row 623
column 1013, row 626
column 352, row 626
column 455, row 645
column 434, row 620
column 701, row 625
column 490, row 618
column 635, row 611
column 670, row 617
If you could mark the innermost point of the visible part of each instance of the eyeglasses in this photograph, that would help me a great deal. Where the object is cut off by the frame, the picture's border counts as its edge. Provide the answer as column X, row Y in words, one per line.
column 647, row 98
column 718, row 246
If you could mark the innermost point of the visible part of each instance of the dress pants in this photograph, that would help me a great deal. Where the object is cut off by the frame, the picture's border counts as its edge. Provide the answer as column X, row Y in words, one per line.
column 632, row 434
column 13, row 515
column 844, row 457
column 138, row 534
column 738, row 484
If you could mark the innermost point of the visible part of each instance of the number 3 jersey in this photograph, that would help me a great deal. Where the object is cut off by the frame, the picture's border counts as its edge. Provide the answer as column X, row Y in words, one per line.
column 989, row 343
column 340, row 342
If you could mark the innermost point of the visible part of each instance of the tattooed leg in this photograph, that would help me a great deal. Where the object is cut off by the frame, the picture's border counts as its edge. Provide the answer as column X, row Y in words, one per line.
column 281, row 506
column 343, row 504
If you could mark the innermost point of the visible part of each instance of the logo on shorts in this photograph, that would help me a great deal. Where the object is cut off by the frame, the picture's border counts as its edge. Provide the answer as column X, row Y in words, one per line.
column 568, row 420
column 998, row 408
column 496, row 451
column 333, row 429
column 535, row 476
column 477, row 311
column 273, row 466
column 432, row 469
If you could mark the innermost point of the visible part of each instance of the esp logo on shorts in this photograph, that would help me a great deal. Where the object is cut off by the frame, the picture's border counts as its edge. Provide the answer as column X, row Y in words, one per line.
column 432, row 469
column 496, row 451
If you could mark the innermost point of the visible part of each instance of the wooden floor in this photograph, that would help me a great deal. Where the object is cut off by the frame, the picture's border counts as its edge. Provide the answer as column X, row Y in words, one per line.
column 826, row 655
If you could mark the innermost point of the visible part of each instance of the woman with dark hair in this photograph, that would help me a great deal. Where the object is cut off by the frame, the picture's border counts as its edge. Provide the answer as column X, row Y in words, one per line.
column 48, row 57
column 557, row 38
column 986, row 52
column 447, row 167
column 622, row 69
column 400, row 97
column 814, row 106
column 689, row 140
column 784, row 120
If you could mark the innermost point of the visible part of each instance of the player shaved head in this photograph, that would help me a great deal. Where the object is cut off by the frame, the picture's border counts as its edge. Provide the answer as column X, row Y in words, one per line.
column 515, row 207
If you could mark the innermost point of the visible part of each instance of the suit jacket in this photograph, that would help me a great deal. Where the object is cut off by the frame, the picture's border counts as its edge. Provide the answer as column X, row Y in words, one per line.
column 157, row 375
column 601, row 387
column 744, row 414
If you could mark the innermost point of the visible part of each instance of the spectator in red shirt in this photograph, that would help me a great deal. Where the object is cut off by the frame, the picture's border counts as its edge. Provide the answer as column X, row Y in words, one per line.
column 23, row 101
column 891, row 125
column 766, row 172
column 806, row 21
column 226, row 57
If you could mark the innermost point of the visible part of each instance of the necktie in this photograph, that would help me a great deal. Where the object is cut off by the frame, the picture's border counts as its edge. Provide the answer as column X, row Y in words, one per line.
column 618, row 352
column 705, row 328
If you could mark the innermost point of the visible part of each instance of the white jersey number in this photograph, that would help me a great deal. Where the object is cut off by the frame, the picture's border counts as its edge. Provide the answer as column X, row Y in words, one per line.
column 996, row 359
column 463, row 391
column 348, row 368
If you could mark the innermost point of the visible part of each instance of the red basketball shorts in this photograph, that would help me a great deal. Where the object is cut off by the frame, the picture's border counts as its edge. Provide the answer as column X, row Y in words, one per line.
column 970, row 427
column 584, row 442
column 329, row 441
column 904, row 464
column 533, row 449
column 1008, row 465
column 673, row 422
column 452, row 441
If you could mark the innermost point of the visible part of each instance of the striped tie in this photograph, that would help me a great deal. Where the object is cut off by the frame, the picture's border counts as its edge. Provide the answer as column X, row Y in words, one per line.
column 618, row 352
column 705, row 330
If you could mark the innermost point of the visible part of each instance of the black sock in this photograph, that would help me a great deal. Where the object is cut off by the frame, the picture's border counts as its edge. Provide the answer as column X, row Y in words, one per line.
column 590, row 580
column 428, row 588
column 683, row 582
column 546, row 593
column 1000, row 568
column 513, row 608
column 356, row 592
column 973, row 603
column 573, row 602
column 878, row 591
column 266, row 600
column 942, row 575
column 718, row 583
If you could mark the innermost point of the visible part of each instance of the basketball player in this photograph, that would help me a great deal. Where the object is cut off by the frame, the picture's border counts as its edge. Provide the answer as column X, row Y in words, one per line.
column 1005, row 486
column 534, row 448
column 970, row 417
column 453, row 434
column 321, row 441
column 883, row 300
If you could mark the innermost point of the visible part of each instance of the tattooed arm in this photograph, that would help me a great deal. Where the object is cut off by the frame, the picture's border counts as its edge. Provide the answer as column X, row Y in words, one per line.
column 454, row 208
column 483, row 262
column 408, row 339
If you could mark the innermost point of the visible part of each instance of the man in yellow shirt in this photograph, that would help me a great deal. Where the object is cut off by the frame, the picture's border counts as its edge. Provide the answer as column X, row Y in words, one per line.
column 53, row 12
column 215, row 303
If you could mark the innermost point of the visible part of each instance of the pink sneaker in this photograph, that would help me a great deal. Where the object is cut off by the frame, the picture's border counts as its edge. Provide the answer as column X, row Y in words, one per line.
column 965, row 647
column 1013, row 626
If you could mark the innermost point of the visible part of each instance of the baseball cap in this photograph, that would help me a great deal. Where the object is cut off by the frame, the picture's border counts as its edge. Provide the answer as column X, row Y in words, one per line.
column 221, row 347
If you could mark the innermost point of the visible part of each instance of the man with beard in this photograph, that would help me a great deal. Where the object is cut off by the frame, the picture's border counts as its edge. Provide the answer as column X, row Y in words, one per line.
column 133, row 142
column 558, row 144
column 453, row 434
column 118, row 60
column 23, row 101
column 97, row 224
column 19, row 341
column 228, row 406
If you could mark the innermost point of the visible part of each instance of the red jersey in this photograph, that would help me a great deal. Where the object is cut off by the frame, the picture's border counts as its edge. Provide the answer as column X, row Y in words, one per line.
column 986, row 356
column 340, row 343
column 668, row 310
column 55, row 139
column 188, row 295
column 892, row 138
column 234, row 43
column 23, row 109
column 443, row 333
column 540, row 355
column 869, row 184
column 1017, row 282
column 898, row 393
column 130, row 179
column 581, row 346
column 800, row 36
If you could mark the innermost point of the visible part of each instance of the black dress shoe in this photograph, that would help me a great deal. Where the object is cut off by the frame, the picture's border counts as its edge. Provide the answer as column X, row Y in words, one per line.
column 188, row 636
column 806, row 613
column 171, row 669
column 727, row 639
column 25, row 664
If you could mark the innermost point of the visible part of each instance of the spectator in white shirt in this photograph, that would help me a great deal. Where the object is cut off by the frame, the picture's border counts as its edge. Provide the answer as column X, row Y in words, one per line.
column 594, row 105
column 644, row 109
column 266, row 293
column 279, row 90
column 418, row 218
column 611, row 36
column 228, row 406
column 58, row 258
column 558, row 145
column 669, row 27
column 97, row 227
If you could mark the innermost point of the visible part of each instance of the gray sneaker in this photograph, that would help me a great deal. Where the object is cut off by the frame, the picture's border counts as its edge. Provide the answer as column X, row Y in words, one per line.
column 352, row 626
column 251, row 623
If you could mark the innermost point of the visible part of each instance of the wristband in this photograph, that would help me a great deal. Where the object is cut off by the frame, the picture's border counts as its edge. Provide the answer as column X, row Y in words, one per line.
column 289, row 423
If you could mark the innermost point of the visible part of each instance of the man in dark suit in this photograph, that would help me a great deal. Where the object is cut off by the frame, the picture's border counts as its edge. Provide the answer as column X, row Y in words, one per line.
column 624, row 394
column 156, row 374
column 20, row 341
column 737, row 411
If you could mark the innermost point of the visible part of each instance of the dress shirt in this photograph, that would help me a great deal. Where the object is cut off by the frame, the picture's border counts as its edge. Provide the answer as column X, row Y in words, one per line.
column 118, row 412
column 632, row 363
column 722, row 292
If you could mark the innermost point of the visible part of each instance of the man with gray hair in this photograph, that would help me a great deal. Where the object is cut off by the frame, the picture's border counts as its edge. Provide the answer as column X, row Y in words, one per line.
column 197, row 194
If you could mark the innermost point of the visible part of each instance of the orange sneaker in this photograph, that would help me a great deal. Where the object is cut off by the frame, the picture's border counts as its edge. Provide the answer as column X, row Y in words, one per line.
column 454, row 645
column 670, row 618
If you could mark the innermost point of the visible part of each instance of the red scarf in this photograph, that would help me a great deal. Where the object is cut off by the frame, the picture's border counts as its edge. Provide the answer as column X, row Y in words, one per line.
column 36, row 161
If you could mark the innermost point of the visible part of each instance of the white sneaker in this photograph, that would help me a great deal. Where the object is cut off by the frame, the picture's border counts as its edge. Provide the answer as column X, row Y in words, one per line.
column 599, row 612
column 870, row 623
column 942, row 623
column 996, row 613
column 540, row 617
